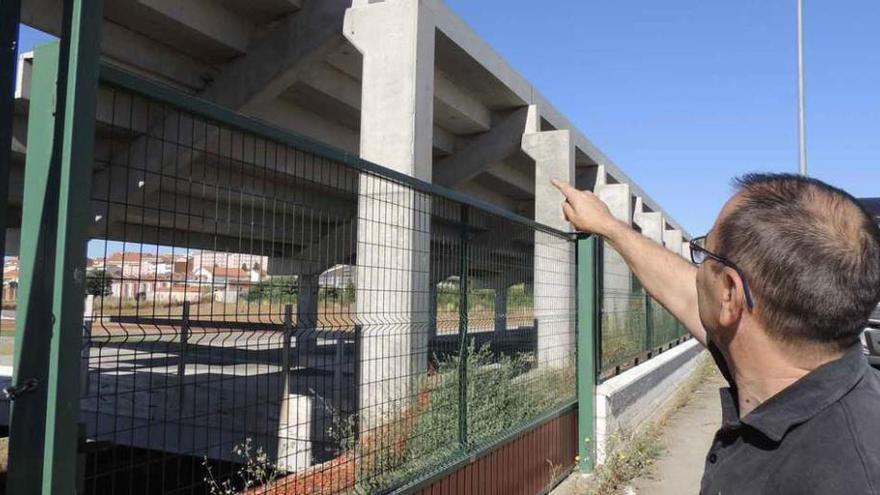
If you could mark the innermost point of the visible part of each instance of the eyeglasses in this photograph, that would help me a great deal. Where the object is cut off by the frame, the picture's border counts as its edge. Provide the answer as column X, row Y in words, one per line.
column 699, row 255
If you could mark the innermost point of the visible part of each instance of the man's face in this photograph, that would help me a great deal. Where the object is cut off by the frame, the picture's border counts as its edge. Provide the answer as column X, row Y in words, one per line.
column 710, row 281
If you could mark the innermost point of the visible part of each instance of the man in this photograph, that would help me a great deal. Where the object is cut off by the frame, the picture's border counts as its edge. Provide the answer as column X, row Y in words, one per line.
column 783, row 288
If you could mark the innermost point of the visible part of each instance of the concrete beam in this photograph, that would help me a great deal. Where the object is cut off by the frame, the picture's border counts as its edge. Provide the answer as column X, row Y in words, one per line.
column 286, row 114
column 651, row 223
column 142, row 55
column 618, row 198
column 617, row 281
column 553, row 152
column 208, row 18
column 23, row 76
column 128, row 49
column 457, row 109
column 444, row 141
column 485, row 150
column 275, row 60
column 672, row 240
column 256, row 79
column 514, row 176
column 337, row 246
column 485, row 194
column 335, row 84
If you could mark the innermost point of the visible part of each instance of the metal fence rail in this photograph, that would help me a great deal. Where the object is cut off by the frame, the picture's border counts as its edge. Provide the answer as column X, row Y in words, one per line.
column 264, row 312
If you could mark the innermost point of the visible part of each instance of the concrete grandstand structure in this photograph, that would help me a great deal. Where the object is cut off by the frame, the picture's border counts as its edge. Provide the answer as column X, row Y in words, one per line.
column 402, row 83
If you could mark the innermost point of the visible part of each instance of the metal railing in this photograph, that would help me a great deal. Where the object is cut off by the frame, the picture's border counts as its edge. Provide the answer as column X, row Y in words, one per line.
column 262, row 310
column 634, row 326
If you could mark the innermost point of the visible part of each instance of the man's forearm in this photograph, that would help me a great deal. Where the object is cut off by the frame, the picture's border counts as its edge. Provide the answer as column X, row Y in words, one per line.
column 666, row 276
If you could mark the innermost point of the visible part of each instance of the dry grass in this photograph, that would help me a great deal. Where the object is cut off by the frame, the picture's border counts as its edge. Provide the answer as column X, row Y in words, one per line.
column 632, row 454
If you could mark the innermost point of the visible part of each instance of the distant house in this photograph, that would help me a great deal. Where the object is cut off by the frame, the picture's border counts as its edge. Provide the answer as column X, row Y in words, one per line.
column 178, row 293
column 219, row 276
column 210, row 259
column 135, row 288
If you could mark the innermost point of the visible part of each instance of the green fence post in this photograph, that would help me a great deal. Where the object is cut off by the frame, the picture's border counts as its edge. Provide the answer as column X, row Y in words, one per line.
column 587, row 327
column 463, row 332
column 82, row 44
column 27, row 423
column 649, row 324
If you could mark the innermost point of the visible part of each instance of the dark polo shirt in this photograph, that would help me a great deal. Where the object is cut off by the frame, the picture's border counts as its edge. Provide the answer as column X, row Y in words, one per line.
column 821, row 435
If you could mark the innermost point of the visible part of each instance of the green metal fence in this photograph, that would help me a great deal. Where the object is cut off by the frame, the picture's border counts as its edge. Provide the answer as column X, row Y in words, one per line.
column 634, row 326
column 237, row 306
column 210, row 302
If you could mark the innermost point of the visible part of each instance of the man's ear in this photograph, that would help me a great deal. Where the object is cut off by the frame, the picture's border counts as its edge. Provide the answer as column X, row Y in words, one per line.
column 732, row 298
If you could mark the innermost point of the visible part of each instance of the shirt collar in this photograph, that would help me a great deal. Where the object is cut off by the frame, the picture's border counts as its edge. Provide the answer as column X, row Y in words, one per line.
column 802, row 400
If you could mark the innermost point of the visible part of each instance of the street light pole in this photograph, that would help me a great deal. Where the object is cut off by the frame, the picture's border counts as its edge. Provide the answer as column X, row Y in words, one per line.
column 802, row 136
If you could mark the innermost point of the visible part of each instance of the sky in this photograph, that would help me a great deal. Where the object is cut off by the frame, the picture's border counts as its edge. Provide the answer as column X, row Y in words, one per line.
column 684, row 95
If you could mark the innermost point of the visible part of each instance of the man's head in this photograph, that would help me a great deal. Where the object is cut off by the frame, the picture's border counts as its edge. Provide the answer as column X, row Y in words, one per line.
column 811, row 257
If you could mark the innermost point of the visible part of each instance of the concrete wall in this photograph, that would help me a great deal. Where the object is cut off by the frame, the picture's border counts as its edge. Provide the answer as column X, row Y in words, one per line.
column 633, row 399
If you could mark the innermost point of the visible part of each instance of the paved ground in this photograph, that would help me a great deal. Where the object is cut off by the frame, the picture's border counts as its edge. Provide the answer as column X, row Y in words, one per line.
column 687, row 438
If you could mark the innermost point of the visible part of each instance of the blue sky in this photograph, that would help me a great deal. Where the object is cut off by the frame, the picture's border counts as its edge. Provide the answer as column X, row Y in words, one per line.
column 686, row 94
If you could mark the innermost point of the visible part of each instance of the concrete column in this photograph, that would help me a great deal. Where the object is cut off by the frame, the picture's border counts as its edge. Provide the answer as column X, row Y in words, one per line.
column 554, row 283
column 651, row 223
column 306, row 312
column 501, row 309
column 617, row 281
column 295, row 433
column 396, row 38
column 432, row 317
column 672, row 240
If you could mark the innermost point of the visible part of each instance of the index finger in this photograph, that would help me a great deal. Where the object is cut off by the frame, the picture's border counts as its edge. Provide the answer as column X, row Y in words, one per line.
column 564, row 187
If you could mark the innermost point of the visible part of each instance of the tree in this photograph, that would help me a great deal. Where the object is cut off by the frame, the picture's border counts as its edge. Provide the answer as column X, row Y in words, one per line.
column 99, row 283
column 280, row 289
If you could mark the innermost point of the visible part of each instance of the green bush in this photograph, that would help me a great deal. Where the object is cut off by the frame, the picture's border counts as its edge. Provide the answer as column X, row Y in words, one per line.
column 99, row 283
column 502, row 394
column 277, row 289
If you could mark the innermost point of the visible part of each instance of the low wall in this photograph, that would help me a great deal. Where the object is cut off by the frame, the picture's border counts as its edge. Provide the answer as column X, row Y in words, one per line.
column 641, row 394
column 530, row 462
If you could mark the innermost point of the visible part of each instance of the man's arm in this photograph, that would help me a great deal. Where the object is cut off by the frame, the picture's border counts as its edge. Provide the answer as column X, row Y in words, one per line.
column 666, row 276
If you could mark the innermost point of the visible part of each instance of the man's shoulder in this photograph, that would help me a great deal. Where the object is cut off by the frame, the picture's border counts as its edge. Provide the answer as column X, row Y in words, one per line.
column 860, row 409
column 833, row 452
column 839, row 445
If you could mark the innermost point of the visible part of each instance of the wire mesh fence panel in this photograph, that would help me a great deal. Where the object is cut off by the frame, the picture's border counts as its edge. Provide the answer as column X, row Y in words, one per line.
column 624, row 330
column 220, row 327
column 634, row 325
column 260, row 315
column 667, row 329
